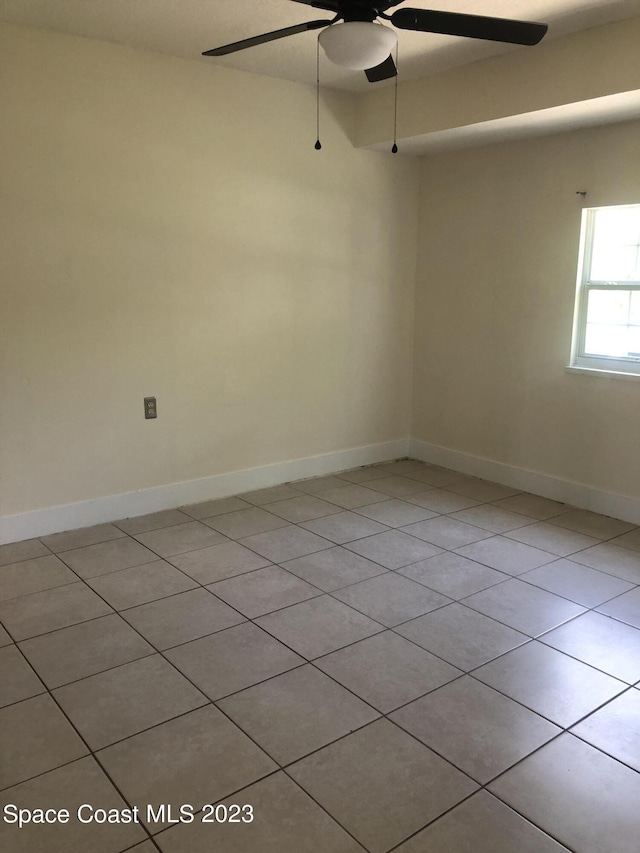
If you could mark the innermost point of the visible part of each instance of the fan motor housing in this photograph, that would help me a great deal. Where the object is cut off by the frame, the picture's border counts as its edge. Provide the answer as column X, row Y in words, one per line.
column 357, row 10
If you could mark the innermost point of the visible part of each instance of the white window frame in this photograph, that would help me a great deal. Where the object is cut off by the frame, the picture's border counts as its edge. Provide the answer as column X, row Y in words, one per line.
column 581, row 361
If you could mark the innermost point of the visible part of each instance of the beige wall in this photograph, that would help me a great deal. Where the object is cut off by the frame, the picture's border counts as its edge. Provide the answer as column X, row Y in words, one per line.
column 168, row 229
column 498, row 243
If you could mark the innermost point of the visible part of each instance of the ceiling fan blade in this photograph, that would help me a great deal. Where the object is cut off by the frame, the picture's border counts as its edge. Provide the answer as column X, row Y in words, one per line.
column 265, row 37
column 471, row 26
column 384, row 71
column 327, row 5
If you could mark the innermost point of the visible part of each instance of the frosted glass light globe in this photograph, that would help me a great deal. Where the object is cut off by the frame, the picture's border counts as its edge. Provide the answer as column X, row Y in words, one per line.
column 358, row 44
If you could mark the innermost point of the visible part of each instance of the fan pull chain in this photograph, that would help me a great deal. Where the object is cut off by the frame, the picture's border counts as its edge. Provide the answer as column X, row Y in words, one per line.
column 394, row 149
column 318, row 144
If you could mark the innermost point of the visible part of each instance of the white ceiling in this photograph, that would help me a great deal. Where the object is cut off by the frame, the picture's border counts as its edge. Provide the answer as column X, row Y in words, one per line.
column 187, row 27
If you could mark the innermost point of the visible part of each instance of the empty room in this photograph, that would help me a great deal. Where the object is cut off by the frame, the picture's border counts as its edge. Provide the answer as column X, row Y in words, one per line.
column 320, row 426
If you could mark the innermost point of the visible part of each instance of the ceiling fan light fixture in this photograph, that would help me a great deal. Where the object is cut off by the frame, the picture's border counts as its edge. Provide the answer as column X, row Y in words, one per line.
column 358, row 45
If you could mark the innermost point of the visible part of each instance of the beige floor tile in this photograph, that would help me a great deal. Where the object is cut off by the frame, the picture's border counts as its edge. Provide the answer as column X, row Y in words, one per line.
column 396, row 486
column 550, row 537
column 393, row 549
column 15, row 552
column 121, row 702
column 69, row 787
column 314, row 485
column 181, row 618
column 505, row 555
column 35, row 737
column 482, row 824
column 533, row 506
column 391, row 598
column 83, row 650
column 492, row 518
column 245, row 522
column 602, row 642
column 386, row 670
column 58, row 542
column 446, row 532
column 318, row 626
column 233, row 659
column 33, row 576
column 628, row 540
column 261, row 497
column 95, row 560
column 396, row 513
column 152, row 521
column 350, row 496
column 51, row 609
column 140, row 584
column 381, row 785
column 482, row 490
column 583, row 798
column 303, row 508
column 615, row 728
column 285, row 544
column 344, row 527
column 524, row 607
column 626, row 608
column 218, row 562
column 288, row 820
column 437, row 477
column 453, row 575
column 612, row 559
column 151, row 718
column 461, row 636
column 198, row 758
column 263, row 591
column 579, row 583
column 17, row 680
column 441, row 500
column 550, row 683
column 592, row 524
column 402, row 466
column 480, row 731
column 361, row 475
column 207, row 509
column 170, row 541
column 333, row 568
column 296, row 713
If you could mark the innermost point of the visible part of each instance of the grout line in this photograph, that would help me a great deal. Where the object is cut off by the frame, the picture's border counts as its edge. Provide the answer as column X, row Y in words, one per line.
column 333, row 818
column 268, row 775
column 187, row 519
column 80, row 736
column 464, row 800
column 76, row 680
column 123, row 535
column 44, row 772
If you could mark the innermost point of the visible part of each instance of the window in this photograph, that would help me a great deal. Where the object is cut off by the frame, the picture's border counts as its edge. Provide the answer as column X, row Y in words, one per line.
column 606, row 332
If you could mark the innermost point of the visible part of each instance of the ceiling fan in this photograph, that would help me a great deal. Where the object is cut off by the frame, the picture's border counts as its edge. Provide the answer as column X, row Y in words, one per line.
column 354, row 39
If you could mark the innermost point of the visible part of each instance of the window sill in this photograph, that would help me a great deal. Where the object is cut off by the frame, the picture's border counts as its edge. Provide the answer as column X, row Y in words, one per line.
column 603, row 374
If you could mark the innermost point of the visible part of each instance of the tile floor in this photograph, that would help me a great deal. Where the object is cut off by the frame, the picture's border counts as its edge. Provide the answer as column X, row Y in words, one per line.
column 397, row 657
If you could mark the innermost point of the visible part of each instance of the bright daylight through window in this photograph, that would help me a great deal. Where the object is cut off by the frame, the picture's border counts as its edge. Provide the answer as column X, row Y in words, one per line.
column 606, row 333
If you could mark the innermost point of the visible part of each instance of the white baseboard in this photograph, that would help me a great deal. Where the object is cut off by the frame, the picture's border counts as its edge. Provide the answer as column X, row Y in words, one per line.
column 27, row 525
column 576, row 494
